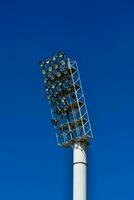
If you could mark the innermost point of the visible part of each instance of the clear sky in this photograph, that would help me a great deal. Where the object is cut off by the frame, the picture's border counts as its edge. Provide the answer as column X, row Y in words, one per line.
column 100, row 36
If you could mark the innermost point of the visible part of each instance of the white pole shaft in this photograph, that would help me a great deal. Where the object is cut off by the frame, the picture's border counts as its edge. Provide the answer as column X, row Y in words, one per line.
column 79, row 172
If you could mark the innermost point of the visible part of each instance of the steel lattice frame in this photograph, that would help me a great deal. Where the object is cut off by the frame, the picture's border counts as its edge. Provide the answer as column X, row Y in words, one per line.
column 66, row 98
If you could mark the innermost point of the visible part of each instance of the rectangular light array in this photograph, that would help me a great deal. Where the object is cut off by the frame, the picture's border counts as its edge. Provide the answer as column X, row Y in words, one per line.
column 65, row 95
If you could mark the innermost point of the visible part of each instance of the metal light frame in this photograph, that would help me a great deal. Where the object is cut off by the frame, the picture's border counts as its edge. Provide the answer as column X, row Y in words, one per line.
column 66, row 98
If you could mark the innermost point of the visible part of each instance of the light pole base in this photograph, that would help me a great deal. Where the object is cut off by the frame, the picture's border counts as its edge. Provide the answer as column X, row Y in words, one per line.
column 79, row 171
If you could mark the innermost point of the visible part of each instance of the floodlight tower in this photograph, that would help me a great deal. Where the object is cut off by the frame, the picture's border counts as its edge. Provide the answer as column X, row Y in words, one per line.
column 69, row 114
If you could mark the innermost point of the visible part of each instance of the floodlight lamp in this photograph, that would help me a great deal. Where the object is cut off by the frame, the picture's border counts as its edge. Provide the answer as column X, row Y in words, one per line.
column 63, row 62
column 58, row 74
column 63, row 100
column 60, row 84
column 42, row 64
column 65, row 72
column 43, row 72
column 50, row 69
column 53, row 87
column 44, row 81
column 52, row 78
column 65, row 109
column 56, row 66
column 47, row 61
column 54, row 58
column 46, row 89
column 48, row 97
column 61, row 54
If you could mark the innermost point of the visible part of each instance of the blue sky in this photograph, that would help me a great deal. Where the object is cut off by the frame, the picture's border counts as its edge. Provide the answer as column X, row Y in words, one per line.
column 100, row 36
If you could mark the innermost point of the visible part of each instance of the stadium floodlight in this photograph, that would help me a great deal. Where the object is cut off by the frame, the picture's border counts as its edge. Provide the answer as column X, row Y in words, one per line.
column 69, row 113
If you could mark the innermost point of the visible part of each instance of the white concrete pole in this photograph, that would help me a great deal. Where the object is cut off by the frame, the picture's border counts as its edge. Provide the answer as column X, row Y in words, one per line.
column 79, row 172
